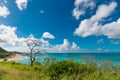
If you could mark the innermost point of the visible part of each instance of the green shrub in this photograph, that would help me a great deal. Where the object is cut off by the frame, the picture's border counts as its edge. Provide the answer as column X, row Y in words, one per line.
column 70, row 70
column 36, row 63
column 47, row 61
column 61, row 68
column 5, row 59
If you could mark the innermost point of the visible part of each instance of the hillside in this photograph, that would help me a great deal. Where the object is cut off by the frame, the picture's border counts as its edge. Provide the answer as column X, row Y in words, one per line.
column 59, row 70
column 2, row 50
column 4, row 53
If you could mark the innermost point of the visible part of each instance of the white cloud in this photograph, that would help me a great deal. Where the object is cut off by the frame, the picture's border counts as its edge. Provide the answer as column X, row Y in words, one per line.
column 31, row 36
column 74, row 46
column 118, row 21
column 5, row 1
column 100, row 41
column 44, row 42
column 4, row 11
column 7, row 34
column 47, row 35
column 42, row 11
column 66, row 47
column 10, row 41
column 108, row 50
column 21, row 4
column 92, row 26
column 63, row 47
column 99, row 49
column 112, row 30
column 104, row 11
column 16, row 48
column 81, row 6
column 115, row 41
column 77, row 13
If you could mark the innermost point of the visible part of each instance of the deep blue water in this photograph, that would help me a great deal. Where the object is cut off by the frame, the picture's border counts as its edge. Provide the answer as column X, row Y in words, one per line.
column 114, row 57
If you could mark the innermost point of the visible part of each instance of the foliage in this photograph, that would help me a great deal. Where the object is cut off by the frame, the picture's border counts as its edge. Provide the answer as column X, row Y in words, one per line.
column 59, row 70
column 2, row 50
column 4, row 53
column 69, row 68
column 5, row 59
column 47, row 61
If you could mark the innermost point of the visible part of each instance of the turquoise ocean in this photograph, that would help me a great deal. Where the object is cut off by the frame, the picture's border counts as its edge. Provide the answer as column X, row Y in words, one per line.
column 96, row 57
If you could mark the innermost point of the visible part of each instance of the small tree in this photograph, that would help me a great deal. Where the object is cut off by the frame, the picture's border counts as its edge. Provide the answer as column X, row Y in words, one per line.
column 34, row 47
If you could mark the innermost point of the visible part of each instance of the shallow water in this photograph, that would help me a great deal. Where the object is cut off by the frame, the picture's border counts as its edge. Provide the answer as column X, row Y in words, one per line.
column 114, row 57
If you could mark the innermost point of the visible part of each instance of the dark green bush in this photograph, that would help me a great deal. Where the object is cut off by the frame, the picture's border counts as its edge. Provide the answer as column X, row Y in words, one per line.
column 61, row 68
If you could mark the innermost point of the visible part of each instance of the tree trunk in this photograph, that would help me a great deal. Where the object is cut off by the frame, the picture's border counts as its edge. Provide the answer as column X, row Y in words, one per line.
column 31, row 61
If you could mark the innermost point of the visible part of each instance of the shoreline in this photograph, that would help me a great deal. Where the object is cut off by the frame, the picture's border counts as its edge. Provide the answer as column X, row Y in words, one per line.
column 14, row 58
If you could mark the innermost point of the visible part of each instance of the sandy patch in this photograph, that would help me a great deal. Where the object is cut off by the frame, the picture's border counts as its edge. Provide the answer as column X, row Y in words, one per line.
column 14, row 57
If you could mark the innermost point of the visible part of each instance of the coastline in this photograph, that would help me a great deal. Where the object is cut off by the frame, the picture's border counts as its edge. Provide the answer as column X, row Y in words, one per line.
column 14, row 58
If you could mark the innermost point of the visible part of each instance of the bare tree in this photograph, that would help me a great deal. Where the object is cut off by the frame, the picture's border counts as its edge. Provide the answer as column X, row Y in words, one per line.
column 34, row 47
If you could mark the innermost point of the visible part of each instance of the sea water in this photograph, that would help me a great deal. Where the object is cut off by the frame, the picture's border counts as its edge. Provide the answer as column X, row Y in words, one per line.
column 96, row 57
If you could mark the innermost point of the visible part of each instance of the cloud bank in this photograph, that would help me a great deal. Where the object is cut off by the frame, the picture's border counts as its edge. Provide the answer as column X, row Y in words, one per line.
column 66, row 46
column 92, row 25
column 11, row 42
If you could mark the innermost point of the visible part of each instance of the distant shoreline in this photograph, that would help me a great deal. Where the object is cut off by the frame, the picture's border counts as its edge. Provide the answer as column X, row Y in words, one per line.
column 13, row 58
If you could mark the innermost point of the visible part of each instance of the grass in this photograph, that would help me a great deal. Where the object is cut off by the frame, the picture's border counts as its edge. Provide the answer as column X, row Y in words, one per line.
column 20, row 72
column 58, row 70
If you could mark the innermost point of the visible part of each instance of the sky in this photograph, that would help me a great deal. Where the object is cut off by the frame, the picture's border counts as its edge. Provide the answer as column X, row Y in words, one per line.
column 79, row 26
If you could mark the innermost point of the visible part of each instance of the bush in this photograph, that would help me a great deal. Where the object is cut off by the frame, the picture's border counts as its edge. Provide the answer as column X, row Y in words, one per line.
column 60, row 69
column 3, row 55
column 47, row 61
column 36, row 63
column 5, row 59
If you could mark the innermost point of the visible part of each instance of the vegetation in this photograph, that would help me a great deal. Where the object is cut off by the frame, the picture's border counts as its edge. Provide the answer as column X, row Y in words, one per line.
column 4, row 53
column 59, row 70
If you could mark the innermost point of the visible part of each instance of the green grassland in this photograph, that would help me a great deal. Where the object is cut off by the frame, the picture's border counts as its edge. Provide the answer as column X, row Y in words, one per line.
column 59, row 70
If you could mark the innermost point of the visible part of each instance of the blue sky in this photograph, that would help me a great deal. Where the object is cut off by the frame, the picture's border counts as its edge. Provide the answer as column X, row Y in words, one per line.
column 65, row 25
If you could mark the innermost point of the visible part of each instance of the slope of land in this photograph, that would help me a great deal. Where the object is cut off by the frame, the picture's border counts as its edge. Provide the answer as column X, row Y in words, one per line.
column 4, row 53
column 59, row 70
